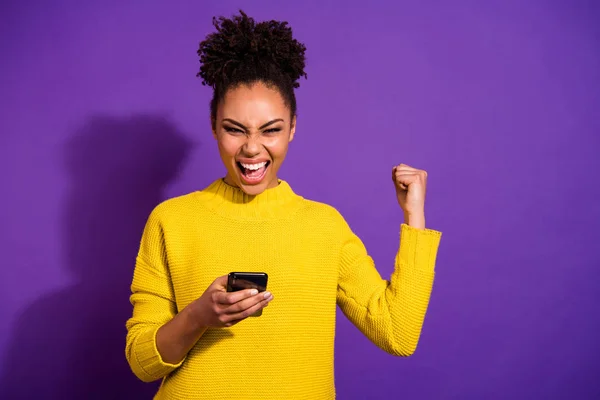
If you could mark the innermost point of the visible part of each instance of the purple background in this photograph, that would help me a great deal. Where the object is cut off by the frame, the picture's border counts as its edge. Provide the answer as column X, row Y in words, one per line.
column 102, row 117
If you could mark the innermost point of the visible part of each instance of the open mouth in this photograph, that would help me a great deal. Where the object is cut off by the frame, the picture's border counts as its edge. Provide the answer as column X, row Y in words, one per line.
column 253, row 173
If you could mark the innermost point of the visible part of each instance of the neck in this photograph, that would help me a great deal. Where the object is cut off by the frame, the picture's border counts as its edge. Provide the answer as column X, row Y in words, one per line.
column 232, row 202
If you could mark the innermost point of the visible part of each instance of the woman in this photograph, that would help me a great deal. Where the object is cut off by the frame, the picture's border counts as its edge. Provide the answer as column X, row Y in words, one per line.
column 186, row 328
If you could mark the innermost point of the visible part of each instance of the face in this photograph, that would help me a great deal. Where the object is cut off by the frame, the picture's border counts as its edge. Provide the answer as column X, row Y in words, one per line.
column 253, row 130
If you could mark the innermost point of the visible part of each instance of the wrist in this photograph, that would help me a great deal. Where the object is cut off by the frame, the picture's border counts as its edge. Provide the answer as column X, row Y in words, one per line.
column 193, row 317
column 415, row 220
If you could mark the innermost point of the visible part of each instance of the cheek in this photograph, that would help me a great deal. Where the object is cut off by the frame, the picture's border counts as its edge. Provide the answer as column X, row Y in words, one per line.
column 278, row 148
column 228, row 148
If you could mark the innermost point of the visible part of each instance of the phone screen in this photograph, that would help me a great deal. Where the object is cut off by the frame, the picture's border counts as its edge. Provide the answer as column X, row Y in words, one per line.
column 247, row 280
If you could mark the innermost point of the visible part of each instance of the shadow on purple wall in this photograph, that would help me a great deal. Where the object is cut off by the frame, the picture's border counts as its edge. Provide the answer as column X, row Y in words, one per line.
column 71, row 344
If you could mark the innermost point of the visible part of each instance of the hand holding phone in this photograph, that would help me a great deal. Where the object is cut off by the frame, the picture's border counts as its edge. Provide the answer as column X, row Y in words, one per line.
column 237, row 281
column 218, row 307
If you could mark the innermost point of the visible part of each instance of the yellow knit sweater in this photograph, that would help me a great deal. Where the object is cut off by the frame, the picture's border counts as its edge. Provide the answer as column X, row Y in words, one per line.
column 314, row 261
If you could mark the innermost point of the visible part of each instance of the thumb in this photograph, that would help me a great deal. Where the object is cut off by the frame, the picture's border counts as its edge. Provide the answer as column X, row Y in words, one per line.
column 400, row 187
column 221, row 283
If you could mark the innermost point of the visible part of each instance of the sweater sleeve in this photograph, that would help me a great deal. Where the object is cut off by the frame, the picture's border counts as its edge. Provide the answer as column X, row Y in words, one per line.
column 153, row 303
column 389, row 312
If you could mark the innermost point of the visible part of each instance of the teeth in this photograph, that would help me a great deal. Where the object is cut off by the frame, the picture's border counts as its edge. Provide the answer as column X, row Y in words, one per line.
column 254, row 167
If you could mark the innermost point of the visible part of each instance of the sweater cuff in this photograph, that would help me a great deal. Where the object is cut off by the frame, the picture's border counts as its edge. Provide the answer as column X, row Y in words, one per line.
column 418, row 248
column 148, row 358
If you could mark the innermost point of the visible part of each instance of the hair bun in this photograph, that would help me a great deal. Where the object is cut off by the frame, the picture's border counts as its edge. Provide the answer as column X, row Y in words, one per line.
column 241, row 44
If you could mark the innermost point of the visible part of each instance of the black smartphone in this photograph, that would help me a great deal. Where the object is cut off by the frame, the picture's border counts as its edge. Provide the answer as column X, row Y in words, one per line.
column 247, row 280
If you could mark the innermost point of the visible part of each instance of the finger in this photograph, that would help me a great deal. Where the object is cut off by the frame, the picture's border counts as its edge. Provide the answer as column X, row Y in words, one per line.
column 235, row 318
column 248, row 303
column 420, row 174
column 411, row 171
column 404, row 180
column 408, row 177
column 399, row 169
column 404, row 167
column 405, row 171
column 228, row 298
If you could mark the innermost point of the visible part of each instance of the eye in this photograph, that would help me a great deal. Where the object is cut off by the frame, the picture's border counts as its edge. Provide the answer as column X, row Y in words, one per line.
column 231, row 129
column 272, row 130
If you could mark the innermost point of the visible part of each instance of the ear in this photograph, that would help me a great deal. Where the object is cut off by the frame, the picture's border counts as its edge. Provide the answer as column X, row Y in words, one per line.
column 213, row 127
column 293, row 129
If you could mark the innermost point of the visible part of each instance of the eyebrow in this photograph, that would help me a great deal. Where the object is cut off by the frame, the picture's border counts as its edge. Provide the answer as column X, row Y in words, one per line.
column 234, row 122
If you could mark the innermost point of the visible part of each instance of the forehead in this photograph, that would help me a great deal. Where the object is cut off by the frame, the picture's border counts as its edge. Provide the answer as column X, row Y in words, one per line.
column 253, row 103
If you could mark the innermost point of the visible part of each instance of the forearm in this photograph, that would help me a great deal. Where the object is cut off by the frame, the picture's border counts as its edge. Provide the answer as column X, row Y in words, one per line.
column 411, row 283
column 406, row 308
column 177, row 337
column 391, row 313
column 416, row 220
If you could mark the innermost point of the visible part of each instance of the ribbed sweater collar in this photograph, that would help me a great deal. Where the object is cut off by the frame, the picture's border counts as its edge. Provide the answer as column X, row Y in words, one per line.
column 232, row 202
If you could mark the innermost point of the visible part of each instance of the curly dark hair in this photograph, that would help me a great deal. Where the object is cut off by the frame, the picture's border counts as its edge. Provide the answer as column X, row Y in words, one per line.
column 242, row 51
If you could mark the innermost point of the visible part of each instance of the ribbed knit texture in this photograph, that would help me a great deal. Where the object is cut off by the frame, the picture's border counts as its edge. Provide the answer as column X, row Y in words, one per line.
column 314, row 262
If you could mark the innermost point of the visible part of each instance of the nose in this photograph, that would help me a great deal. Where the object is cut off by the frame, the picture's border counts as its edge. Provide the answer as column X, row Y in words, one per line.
column 252, row 146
